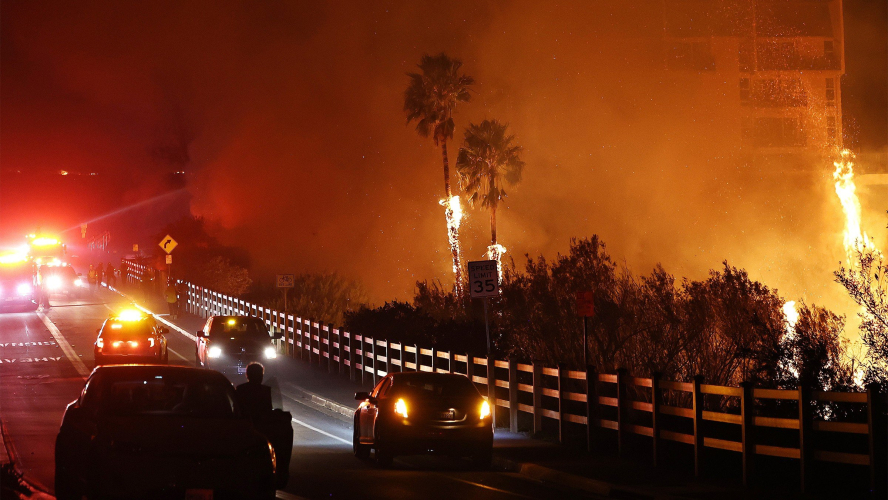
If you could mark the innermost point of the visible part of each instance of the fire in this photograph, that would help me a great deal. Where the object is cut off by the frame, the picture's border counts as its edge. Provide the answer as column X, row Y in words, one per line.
column 855, row 239
column 453, row 213
column 496, row 252
column 791, row 315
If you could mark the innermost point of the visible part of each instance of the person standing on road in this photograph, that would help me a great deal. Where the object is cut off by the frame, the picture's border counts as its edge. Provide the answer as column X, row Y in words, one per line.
column 172, row 299
column 254, row 397
column 110, row 279
column 100, row 274
column 91, row 278
column 42, row 289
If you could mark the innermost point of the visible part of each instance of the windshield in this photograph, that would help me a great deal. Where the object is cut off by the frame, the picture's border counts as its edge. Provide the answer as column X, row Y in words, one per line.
column 239, row 328
column 173, row 395
column 126, row 329
column 434, row 386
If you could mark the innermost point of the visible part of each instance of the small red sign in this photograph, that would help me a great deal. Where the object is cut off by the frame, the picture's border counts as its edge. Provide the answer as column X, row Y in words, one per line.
column 586, row 303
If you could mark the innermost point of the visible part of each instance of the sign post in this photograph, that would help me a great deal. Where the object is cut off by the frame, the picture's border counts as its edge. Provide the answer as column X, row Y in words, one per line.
column 483, row 284
column 586, row 308
column 168, row 244
column 286, row 281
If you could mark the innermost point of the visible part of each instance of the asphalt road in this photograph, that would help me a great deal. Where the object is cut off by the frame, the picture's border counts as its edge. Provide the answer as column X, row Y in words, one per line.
column 45, row 357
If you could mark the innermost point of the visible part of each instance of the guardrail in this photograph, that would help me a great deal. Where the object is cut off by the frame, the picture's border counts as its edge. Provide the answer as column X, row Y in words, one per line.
column 696, row 414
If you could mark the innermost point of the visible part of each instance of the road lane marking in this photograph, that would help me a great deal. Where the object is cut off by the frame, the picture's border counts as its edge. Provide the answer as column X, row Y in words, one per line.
column 484, row 486
column 66, row 347
column 183, row 358
column 319, row 431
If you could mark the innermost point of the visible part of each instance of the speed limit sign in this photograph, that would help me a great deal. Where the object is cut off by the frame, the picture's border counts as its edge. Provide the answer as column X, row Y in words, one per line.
column 483, row 279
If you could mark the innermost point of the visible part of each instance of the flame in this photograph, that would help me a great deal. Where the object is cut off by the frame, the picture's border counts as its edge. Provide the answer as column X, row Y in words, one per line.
column 496, row 252
column 791, row 315
column 454, row 214
column 855, row 239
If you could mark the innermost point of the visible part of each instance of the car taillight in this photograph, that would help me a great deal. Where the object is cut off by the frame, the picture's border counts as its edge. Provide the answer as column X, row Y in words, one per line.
column 485, row 410
column 401, row 408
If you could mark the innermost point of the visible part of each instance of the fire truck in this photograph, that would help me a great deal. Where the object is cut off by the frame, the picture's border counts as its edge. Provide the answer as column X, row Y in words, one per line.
column 18, row 282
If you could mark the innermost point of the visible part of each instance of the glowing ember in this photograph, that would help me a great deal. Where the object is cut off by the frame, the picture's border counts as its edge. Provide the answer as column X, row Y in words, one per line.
column 454, row 214
column 855, row 239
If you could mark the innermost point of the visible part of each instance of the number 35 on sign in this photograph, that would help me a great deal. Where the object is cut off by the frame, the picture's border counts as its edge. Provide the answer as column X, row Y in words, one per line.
column 483, row 279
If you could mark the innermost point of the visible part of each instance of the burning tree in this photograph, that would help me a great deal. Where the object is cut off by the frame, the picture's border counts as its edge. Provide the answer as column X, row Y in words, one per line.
column 487, row 160
column 430, row 99
column 867, row 285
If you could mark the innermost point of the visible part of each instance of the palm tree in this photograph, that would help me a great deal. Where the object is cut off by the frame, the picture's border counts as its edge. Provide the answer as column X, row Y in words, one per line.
column 430, row 99
column 487, row 160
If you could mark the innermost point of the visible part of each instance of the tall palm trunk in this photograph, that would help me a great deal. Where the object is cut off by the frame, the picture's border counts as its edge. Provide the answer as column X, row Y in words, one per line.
column 452, row 225
column 493, row 225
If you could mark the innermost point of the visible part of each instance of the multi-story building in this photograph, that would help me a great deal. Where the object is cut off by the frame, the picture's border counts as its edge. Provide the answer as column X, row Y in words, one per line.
column 785, row 58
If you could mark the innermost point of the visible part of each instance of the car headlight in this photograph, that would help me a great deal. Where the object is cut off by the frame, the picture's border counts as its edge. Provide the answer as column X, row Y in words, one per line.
column 54, row 282
column 270, row 353
column 24, row 289
column 401, row 408
column 78, row 282
column 485, row 410
column 215, row 352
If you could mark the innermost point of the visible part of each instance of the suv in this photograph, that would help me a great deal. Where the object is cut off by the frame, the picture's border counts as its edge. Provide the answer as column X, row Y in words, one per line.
column 229, row 343
column 131, row 337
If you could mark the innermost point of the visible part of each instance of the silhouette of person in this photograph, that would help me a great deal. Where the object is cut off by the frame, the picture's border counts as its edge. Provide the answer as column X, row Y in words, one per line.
column 254, row 397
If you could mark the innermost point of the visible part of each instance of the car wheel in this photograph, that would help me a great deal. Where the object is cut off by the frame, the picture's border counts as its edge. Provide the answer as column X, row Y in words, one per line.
column 482, row 459
column 361, row 451
column 384, row 457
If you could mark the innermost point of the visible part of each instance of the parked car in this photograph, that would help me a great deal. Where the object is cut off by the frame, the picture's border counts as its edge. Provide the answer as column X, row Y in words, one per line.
column 416, row 412
column 150, row 431
column 131, row 337
column 229, row 343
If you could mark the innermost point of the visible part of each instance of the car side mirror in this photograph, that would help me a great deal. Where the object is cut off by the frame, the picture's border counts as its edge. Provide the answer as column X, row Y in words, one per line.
column 361, row 396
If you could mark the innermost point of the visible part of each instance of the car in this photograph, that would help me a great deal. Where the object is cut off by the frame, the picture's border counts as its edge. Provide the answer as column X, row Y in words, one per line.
column 229, row 343
column 63, row 279
column 418, row 412
column 153, row 431
column 18, row 285
column 131, row 337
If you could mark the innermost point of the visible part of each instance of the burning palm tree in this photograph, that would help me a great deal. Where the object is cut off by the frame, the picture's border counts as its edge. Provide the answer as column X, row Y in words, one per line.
column 487, row 160
column 430, row 99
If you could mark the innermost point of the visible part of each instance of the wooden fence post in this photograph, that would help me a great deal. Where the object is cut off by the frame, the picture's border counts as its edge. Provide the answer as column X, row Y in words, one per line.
column 470, row 367
column 698, row 426
column 875, row 419
column 373, row 361
column 388, row 357
column 513, row 395
column 806, row 448
column 622, row 413
column 537, row 396
column 562, row 399
column 591, row 406
column 747, row 430
column 351, row 356
column 451, row 361
column 329, row 348
column 491, row 387
column 434, row 360
column 656, row 401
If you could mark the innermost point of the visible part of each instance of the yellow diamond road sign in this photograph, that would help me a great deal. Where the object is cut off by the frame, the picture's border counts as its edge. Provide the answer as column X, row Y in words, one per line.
column 168, row 244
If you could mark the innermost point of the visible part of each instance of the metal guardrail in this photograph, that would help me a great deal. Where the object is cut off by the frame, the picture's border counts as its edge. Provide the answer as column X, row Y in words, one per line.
column 610, row 402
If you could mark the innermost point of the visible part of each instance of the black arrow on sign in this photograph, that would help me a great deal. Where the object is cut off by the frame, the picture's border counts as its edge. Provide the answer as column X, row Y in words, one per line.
column 167, row 242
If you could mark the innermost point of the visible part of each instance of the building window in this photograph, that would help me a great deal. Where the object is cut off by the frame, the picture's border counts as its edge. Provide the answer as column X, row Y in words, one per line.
column 779, row 93
column 830, row 92
column 691, row 56
column 776, row 132
column 831, row 130
column 744, row 91
column 829, row 50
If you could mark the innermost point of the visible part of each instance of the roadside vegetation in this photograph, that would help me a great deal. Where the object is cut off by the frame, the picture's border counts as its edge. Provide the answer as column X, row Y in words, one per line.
column 728, row 327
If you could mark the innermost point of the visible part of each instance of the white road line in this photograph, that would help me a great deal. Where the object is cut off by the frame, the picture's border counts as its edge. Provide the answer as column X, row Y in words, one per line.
column 283, row 495
column 491, row 488
column 307, row 426
column 169, row 324
column 183, row 358
column 66, row 347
